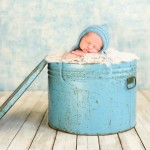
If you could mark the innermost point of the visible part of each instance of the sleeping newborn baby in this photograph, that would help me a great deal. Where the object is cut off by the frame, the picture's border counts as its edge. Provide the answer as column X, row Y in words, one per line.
column 92, row 47
column 93, row 39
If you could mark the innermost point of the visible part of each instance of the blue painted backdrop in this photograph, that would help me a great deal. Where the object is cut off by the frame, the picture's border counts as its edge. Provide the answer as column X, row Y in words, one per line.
column 30, row 29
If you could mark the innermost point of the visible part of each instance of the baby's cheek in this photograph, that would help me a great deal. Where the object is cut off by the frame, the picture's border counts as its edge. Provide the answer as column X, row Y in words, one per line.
column 83, row 45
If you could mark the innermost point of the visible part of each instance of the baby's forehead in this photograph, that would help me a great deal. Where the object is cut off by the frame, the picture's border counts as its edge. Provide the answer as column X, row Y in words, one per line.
column 92, row 35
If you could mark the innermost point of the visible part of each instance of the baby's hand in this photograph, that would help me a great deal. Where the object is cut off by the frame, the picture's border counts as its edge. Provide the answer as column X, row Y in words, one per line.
column 71, row 56
column 78, row 52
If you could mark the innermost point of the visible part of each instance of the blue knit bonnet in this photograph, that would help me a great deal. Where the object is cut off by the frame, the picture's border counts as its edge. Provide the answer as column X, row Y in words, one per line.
column 101, row 30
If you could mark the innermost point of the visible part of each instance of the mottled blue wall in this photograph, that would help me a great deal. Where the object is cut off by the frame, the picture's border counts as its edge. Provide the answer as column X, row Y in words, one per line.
column 30, row 29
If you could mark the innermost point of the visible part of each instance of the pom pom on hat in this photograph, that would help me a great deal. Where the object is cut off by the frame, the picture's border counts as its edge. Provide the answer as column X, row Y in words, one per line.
column 101, row 30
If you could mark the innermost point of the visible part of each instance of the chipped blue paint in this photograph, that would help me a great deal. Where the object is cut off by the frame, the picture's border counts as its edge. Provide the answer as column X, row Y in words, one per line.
column 92, row 100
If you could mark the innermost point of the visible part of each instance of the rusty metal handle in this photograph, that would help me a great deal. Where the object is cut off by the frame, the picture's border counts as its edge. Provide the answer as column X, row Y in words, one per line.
column 131, row 82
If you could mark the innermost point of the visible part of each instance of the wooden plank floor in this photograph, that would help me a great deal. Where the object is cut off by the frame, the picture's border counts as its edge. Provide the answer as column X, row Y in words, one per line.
column 25, row 127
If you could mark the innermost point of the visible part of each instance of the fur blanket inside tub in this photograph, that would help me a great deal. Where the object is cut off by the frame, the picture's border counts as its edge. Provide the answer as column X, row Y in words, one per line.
column 111, row 56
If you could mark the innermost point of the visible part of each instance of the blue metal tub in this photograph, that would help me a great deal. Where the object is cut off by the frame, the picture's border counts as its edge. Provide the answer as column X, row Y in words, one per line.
column 94, row 99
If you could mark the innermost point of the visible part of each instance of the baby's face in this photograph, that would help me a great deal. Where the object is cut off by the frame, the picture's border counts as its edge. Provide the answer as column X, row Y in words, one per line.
column 91, row 43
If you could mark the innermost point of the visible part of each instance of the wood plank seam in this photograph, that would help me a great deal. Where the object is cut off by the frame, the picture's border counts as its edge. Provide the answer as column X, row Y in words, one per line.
column 54, row 139
column 140, row 138
column 37, row 129
column 19, row 129
column 146, row 98
column 23, row 122
column 120, row 141
column 76, row 142
column 99, row 142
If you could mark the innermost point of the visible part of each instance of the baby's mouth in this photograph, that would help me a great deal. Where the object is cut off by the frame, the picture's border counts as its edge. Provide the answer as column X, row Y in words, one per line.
column 85, row 50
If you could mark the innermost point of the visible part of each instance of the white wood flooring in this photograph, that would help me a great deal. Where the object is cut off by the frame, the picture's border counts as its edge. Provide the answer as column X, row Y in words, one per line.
column 25, row 126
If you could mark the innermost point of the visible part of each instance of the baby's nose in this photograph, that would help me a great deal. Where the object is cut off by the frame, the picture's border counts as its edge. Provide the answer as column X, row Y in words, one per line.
column 90, row 46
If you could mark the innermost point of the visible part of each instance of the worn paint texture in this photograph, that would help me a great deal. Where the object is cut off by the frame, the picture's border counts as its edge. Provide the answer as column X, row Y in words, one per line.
column 92, row 100
column 31, row 29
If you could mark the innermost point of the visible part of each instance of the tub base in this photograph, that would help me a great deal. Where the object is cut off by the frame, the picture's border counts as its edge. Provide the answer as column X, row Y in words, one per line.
column 78, row 133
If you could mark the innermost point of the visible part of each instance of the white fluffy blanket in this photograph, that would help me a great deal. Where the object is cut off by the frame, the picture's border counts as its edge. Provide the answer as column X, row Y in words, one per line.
column 111, row 56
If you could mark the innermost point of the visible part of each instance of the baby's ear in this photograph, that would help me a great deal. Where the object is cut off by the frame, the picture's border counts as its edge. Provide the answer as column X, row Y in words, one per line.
column 102, row 47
